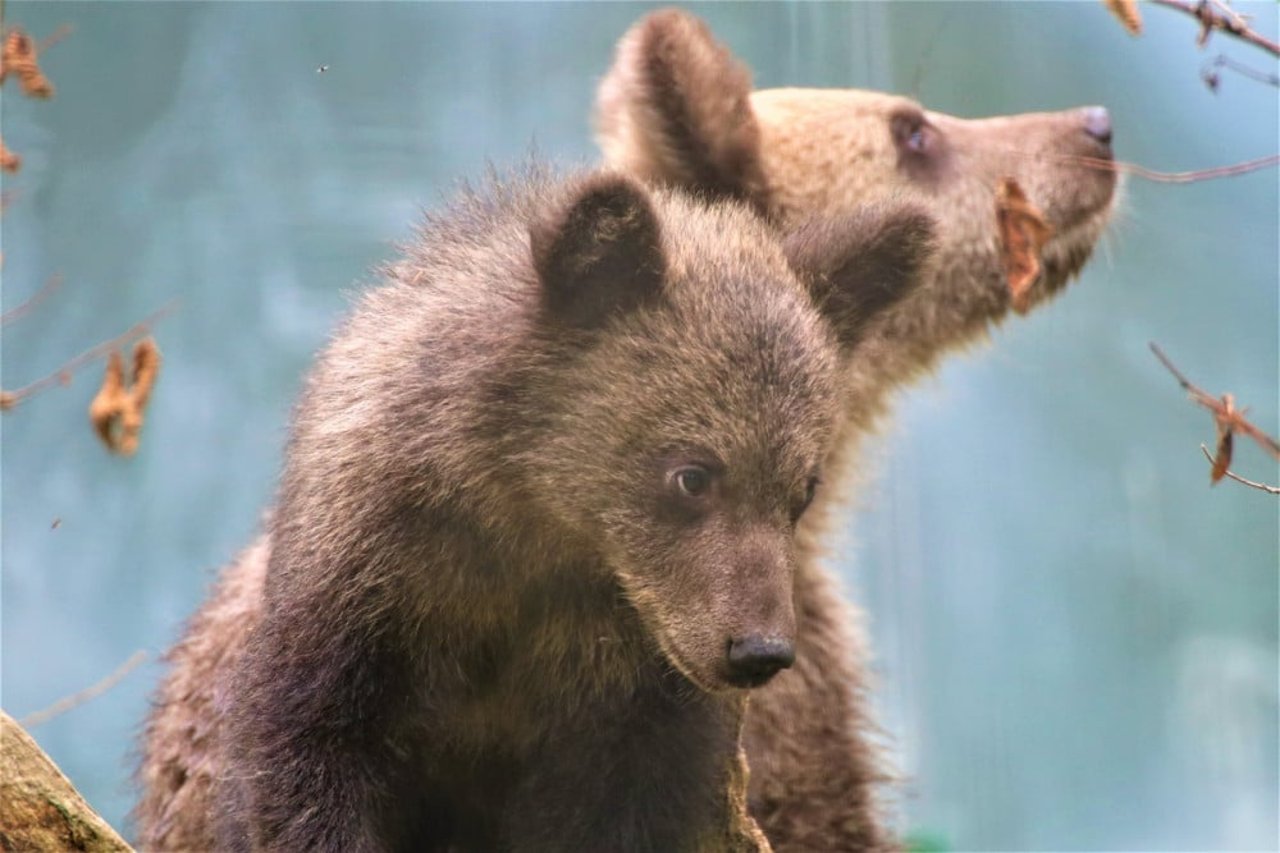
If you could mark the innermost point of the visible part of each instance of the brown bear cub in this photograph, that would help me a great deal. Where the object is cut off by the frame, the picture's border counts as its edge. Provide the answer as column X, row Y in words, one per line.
column 678, row 109
column 536, row 529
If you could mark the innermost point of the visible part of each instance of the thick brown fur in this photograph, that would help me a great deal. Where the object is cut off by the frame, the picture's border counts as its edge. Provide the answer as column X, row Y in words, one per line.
column 183, row 753
column 676, row 107
column 485, row 614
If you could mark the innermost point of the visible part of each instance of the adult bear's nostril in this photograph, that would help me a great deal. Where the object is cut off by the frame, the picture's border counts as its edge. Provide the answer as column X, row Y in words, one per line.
column 1097, row 123
column 754, row 659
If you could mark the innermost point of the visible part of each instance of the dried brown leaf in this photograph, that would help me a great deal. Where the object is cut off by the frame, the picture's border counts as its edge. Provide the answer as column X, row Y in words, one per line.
column 9, row 161
column 1023, row 232
column 18, row 57
column 146, row 368
column 118, row 410
column 107, row 404
column 1222, row 458
column 1126, row 12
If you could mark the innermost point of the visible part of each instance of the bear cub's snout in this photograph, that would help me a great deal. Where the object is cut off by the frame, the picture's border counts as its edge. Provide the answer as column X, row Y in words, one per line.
column 754, row 659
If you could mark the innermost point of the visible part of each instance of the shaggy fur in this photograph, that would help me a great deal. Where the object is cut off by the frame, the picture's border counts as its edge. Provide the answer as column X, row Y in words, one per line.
column 487, row 616
column 675, row 107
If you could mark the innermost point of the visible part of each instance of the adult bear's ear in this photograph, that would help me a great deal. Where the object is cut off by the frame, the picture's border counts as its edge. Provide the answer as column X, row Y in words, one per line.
column 675, row 109
column 860, row 265
column 598, row 253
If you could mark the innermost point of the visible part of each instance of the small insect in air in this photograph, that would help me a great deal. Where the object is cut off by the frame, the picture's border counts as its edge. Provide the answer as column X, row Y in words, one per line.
column 320, row 69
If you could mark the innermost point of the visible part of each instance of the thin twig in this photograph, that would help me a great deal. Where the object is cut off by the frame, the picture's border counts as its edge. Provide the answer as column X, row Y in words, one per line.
column 10, row 399
column 1177, row 374
column 33, row 302
column 1234, row 169
column 1217, row 16
column 1224, row 412
column 1271, row 490
column 53, row 38
column 1209, row 72
column 91, row 692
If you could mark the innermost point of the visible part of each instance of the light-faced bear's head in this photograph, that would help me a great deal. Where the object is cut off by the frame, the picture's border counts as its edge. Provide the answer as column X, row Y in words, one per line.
column 677, row 108
column 689, row 398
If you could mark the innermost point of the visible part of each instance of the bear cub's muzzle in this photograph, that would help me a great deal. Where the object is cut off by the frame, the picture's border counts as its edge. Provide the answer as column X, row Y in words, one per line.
column 754, row 659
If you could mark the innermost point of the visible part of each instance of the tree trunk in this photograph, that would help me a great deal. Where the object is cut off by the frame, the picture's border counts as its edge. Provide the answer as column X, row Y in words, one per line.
column 39, row 808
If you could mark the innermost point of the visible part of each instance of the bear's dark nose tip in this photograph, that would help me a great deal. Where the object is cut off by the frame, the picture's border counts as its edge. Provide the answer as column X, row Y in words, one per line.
column 1097, row 123
column 754, row 659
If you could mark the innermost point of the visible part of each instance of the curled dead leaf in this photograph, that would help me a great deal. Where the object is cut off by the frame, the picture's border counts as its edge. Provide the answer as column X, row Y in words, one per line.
column 9, row 161
column 1222, row 458
column 118, row 410
column 1023, row 233
column 18, row 57
column 1126, row 12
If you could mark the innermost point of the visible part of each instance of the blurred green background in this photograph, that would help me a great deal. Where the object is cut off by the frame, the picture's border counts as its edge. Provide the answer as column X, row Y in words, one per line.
column 1076, row 637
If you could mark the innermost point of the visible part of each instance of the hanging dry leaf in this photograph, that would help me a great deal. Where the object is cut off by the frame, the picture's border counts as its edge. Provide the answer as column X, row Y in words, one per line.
column 1225, row 419
column 9, row 161
column 1023, row 233
column 18, row 57
column 1222, row 459
column 1126, row 12
column 146, row 367
column 108, row 403
column 118, row 410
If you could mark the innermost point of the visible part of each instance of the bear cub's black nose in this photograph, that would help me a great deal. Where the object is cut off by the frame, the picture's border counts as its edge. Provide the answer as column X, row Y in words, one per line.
column 1097, row 123
column 754, row 659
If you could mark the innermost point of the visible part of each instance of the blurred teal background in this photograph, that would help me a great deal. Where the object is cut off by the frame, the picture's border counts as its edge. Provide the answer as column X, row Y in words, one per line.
column 1076, row 637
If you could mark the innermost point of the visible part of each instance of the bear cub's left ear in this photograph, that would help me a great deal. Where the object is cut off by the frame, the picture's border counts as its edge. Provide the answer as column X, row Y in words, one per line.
column 599, row 252
column 860, row 265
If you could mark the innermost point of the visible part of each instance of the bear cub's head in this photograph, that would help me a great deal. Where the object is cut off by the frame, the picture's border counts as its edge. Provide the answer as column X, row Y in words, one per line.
column 693, row 399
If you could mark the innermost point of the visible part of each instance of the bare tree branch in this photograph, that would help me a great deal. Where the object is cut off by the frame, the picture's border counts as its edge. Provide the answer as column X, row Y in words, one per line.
column 1228, row 419
column 93, row 691
column 56, row 36
column 33, row 302
column 1232, row 170
column 1209, row 73
column 1221, row 409
column 1214, row 15
column 1271, row 490
column 10, row 399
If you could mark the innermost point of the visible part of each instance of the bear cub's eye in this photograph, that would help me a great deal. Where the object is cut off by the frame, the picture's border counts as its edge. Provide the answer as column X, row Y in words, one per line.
column 692, row 481
column 810, row 488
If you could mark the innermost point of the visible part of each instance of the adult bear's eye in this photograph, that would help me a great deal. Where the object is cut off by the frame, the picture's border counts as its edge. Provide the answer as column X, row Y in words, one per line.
column 692, row 480
column 912, row 133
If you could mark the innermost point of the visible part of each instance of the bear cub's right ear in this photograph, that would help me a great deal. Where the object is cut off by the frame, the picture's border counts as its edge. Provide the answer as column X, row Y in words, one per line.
column 675, row 109
column 599, row 252
column 860, row 265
